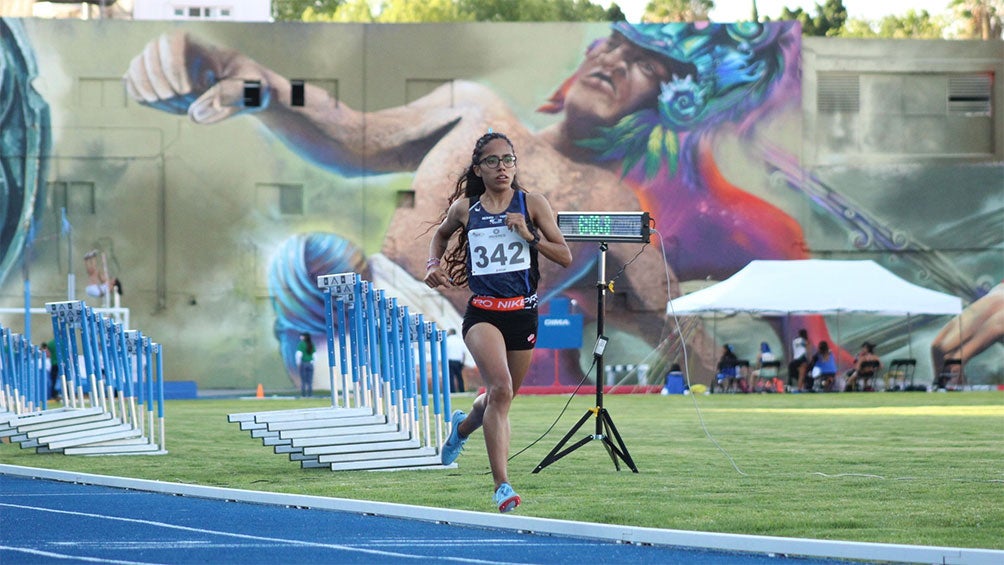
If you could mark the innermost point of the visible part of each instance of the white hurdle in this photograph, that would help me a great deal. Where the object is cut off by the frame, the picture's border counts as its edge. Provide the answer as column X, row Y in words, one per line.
column 106, row 376
column 385, row 364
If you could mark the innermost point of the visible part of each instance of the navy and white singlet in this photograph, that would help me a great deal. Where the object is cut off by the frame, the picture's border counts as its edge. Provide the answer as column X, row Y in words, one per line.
column 500, row 263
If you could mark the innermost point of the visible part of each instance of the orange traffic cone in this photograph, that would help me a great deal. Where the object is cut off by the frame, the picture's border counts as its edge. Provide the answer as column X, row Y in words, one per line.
column 261, row 391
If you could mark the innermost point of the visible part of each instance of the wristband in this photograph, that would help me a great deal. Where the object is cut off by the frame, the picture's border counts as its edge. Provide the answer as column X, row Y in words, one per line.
column 432, row 262
column 535, row 240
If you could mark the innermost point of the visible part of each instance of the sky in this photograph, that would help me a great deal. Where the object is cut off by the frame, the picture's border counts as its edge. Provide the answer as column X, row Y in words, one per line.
column 737, row 10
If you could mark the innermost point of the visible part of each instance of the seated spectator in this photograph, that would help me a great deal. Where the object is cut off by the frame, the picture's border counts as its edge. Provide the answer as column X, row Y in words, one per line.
column 675, row 382
column 767, row 383
column 824, row 368
column 864, row 369
column 765, row 354
column 726, row 377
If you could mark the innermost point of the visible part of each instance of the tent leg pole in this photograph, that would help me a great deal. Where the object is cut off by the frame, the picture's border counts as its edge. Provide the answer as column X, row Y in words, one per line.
column 909, row 337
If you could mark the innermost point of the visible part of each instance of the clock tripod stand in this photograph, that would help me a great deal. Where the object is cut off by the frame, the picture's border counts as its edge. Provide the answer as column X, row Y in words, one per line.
column 599, row 227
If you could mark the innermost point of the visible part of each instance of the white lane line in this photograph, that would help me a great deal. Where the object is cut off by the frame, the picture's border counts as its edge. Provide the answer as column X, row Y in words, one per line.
column 246, row 536
column 52, row 555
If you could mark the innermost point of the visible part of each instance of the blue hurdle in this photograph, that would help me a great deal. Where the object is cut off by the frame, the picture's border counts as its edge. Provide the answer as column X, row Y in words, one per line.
column 24, row 383
column 389, row 380
column 107, row 375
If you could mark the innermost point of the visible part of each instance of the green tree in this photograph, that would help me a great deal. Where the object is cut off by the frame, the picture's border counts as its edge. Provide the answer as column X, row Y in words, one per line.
column 911, row 25
column 417, row 11
column 397, row 11
column 581, row 11
column 615, row 14
column 983, row 18
column 539, row 11
column 677, row 10
column 293, row 10
column 858, row 28
column 827, row 21
column 351, row 11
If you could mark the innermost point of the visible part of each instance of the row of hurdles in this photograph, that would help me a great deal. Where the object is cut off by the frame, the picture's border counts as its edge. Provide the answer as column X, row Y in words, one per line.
column 107, row 375
column 390, row 388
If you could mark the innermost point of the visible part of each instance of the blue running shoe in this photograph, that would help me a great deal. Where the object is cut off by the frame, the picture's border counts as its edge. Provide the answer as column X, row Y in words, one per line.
column 506, row 498
column 454, row 443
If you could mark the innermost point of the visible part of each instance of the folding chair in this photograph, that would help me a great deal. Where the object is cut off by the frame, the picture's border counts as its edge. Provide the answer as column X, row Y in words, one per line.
column 723, row 380
column 732, row 379
column 950, row 377
column 900, row 371
column 742, row 380
column 865, row 375
column 823, row 382
column 766, row 375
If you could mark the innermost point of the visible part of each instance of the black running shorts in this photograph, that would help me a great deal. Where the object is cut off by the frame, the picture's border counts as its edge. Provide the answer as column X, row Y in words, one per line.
column 518, row 327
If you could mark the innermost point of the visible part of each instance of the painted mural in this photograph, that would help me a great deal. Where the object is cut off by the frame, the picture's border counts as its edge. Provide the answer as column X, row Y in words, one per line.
column 24, row 141
column 698, row 124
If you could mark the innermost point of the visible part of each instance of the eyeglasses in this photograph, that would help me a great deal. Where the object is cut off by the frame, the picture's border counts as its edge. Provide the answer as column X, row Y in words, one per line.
column 492, row 162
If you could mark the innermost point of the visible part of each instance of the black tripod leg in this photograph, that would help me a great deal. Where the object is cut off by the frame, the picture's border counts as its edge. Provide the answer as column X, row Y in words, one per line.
column 554, row 455
column 570, row 449
column 615, row 454
column 612, row 452
column 611, row 429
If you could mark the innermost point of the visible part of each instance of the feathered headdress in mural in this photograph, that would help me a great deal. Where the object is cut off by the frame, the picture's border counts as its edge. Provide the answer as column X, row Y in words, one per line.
column 735, row 66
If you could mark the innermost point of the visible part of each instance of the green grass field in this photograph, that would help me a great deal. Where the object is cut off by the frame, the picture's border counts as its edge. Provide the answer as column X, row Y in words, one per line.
column 911, row 468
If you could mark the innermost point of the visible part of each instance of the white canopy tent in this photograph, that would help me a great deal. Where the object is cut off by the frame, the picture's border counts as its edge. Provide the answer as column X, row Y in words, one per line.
column 815, row 286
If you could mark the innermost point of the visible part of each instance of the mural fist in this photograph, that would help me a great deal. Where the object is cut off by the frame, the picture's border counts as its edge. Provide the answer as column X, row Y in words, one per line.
column 178, row 74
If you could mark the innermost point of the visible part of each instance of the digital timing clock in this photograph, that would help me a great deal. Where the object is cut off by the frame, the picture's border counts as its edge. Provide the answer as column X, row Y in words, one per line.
column 631, row 227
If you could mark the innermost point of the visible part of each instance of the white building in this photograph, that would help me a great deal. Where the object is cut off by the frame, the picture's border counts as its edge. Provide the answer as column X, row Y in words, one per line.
column 90, row 10
column 204, row 10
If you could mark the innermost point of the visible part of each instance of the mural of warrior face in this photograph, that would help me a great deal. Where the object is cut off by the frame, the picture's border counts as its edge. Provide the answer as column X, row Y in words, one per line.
column 617, row 78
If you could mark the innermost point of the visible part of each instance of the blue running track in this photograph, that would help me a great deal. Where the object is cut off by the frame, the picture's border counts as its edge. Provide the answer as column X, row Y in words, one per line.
column 55, row 521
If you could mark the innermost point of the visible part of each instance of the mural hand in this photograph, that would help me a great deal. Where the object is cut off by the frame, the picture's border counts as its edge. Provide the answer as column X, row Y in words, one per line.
column 180, row 75
column 221, row 101
column 976, row 329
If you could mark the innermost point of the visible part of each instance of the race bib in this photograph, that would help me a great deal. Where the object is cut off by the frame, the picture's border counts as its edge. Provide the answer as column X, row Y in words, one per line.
column 497, row 250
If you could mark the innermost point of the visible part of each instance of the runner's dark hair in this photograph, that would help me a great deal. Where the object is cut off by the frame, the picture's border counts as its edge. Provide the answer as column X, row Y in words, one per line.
column 470, row 186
